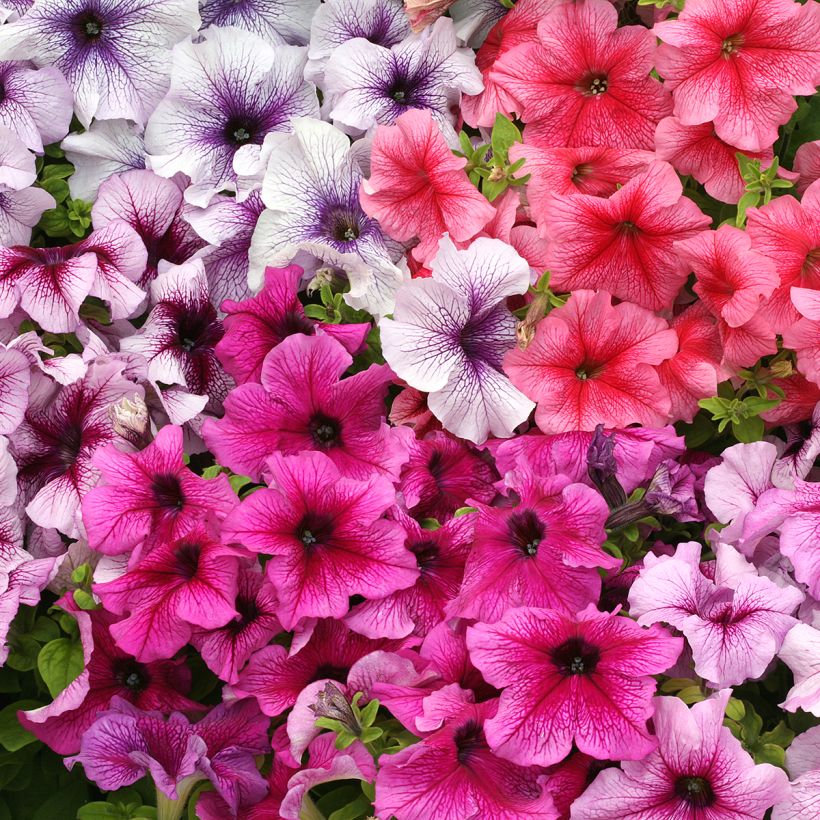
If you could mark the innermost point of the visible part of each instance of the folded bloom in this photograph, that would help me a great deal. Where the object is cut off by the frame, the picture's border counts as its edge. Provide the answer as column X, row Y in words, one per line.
column 737, row 64
column 699, row 770
column 181, row 584
column 256, row 325
column 108, row 673
column 801, row 653
column 314, row 218
column 452, row 774
column 803, row 764
column 417, row 186
column 449, row 333
column 544, row 551
column 586, row 81
column 54, row 444
column 287, row 20
column 594, row 363
column 565, row 679
column 226, row 92
column 807, row 164
column 115, row 54
column 327, row 536
column 226, row 649
column 37, row 104
column 152, row 206
column 303, row 405
column 368, row 84
column 440, row 556
column 734, row 625
column 624, row 243
column 150, row 493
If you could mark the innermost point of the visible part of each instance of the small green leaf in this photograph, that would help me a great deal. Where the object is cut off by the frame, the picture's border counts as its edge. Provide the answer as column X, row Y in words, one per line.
column 12, row 735
column 504, row 134
column 237, row 482
column 84, row 600
column 59, row 663
column 45, row 629
column 464, row 511
column 748, row 430
column 23, row 654
column 735, row 710
column 213, row 471
column 769, row 753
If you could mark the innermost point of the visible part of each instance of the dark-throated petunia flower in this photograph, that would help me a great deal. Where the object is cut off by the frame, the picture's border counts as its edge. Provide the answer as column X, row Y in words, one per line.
column 273, row 20
column 227, row 91
column 115, row 54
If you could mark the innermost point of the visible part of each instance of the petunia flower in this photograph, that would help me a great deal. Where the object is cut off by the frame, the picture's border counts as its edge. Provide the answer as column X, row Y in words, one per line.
column 699, row 770
column 803, row 764
column 314, row 218
column 417, row 187
column 367, row 84
column 594, row 363
column 54, row 445
column 475, row 18
column 255, row 326
column 624, row 243
column 541, row 551
column 382, row 22
column 226, row 649
column 440, row 555
column 180, row 584
column 180, row 333
column 586, row 81
column 303, row 405
column 452, row 774
column 734, row 625
column 15, row 378
column 807, row 164
column 108, row 147
column 37, row 104
column 115, row 54
column 449, row 333
column 801, row 653
column 282, row 20
column 150, row 493
column 108, row 673
column 152, row 206
column 327, row 535
column 227, row 91
column 738, row 64
column 566, row 679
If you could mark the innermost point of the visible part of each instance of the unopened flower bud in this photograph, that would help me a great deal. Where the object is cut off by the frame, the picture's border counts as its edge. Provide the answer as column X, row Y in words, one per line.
column 323, row 276
column 602, row 468
column 130, row 420
column 332, row 703
column 525, row 330
column 782, row 369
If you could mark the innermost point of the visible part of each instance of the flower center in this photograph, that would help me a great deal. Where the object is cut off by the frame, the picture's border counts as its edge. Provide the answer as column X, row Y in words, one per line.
column 314, row 530
column 598, row 86
column 730, row 46
column 583, row 169
column 198, row 329
column 575, row 657
column 240, row 131
column 526, row 531
column 187, row 559
column 324, row 431
column 469, row 739
column 248, row 613
column 168, row 492
column 71, row 442
column 344, row 226
column 400, row 93
column 426, row 553
column 629, row 228
column 696, row 791
column 89, row 26
column 132, row 675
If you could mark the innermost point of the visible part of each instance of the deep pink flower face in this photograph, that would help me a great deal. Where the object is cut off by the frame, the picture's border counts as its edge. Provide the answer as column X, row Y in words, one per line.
column 566, row 679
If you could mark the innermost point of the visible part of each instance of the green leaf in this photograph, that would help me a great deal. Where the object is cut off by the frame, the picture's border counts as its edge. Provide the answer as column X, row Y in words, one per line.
column 504, row 134
column 769, row 753
column 12, row 735
column 367, row 715
column 54, row 222
column 45, row 629
column 735, row 710
column 57, row 187
column 237, row 482
column 465, row 143
column 24, row 652
column 60, row 662
column 360, row 807
column 464, row 511
column 213, row 471
column 781, row 735
column 66, row 802
column 84, row 600
column 748, row 430
column 756, row 405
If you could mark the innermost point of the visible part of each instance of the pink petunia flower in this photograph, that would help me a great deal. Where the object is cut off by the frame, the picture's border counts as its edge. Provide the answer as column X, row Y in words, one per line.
column 418, row 188
column 807, row 164
column 150, row 493
column 699, row 771
column 15, row 377
column 738, row 63
column 453, row 774
column 624, row 243
column 181, row 584
column 594, row 363
column 803, row 764
column 327, row 536
column 303, row 404
column 586, row 81
column 255, row 326
column 584, row 679
column 801, row 653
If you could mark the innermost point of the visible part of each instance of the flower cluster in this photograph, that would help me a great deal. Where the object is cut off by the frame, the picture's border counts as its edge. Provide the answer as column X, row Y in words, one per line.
column 410, row 410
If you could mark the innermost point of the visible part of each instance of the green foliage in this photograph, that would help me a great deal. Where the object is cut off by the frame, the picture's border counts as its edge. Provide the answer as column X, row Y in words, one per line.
column 760, row 185
column 60, row 661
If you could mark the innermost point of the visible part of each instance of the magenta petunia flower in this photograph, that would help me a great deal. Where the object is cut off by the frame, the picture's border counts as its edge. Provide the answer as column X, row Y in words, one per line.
column 441, row 474
column 326, row 535
column 152, row 206
column 227, row 91
column 624, row 243
column 440, row 555
column 180, row 334
column 586, row 81
column 54, row 444
column 699, row 771
column 738, row 63
column 453, row 774
column 181, row 584
column 449, row 333
column 304, row 405
column 255, row 326
column 273, row 20
column 734, row 624
column 226, row 649
column 150, row 493
column 566, row 679
column 108, row 673
column 115, row 54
